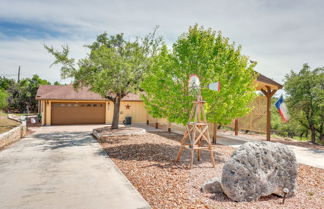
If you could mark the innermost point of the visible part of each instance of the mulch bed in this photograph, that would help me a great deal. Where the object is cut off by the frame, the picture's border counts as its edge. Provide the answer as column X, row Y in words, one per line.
column 148, row 161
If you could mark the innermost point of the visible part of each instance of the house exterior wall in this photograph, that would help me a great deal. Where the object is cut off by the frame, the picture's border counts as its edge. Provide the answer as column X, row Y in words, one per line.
column 48, row 105
column 42, row 111
column 135, row 109
column 253, row 121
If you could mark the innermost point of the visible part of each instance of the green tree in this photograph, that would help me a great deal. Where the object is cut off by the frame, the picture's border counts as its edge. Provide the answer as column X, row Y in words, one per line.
column 6, row 83
column 113, row 68
column 23, row 94
column 213, row 58
column 27, row 92
column 3, row 98
column 291, row 129
column 305, row 101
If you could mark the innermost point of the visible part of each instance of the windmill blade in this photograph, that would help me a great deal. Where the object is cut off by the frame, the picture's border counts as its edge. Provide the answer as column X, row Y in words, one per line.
column 194, row 83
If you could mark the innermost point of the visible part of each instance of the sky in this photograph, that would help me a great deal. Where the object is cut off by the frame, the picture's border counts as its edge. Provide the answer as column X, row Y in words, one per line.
column 281, row 35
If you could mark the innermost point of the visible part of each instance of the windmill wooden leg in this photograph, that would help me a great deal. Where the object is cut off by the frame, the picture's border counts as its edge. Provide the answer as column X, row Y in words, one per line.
column 183, row 140
column 179, row 153
column 212, row 159
column 210, row 149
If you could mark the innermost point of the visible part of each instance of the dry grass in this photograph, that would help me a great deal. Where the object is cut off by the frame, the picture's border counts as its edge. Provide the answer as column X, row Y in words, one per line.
column 6, row 124
column 148, row 162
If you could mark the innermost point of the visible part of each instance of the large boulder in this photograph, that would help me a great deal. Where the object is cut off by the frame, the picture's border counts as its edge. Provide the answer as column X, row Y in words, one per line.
column 259, row 169
column 212, row 186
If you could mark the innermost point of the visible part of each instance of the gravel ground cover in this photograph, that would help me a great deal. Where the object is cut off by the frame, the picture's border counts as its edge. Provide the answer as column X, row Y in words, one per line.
column 148, row 161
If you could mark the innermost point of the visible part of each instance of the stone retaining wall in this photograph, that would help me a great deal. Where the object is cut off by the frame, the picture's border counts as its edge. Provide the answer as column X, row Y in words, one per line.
column 13, row 135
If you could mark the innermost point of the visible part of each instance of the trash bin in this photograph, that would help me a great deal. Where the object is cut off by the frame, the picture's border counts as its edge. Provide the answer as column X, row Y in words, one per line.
column 128, row 120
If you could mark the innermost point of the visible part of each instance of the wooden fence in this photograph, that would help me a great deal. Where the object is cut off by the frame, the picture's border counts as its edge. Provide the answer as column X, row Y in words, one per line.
column 256, row 120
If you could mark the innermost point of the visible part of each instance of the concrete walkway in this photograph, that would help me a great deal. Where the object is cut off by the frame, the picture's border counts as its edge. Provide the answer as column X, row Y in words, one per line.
column 307, row 156
column 63, row 167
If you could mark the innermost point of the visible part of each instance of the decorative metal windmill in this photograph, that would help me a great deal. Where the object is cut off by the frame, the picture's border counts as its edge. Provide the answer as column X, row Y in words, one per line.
column 196, row 136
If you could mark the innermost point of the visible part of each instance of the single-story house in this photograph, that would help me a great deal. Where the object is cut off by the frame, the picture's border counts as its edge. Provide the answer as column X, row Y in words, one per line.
column 63, row 105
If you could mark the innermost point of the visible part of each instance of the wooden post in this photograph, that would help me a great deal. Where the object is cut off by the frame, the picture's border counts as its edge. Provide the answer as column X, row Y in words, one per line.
column 156, row 125
column 169, row 127
column 268, row 93
column 147, row 122
column 214, row 133
column 236, row 128
column 268, row 118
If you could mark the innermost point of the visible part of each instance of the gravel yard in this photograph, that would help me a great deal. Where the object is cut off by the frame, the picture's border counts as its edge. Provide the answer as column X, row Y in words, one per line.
column 148, row 161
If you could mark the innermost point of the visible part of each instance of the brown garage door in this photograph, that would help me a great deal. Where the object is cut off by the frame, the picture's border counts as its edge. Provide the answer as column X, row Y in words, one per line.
column 78, row 113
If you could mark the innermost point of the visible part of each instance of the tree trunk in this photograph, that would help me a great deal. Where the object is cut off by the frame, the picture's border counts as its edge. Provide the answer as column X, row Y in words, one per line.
column 313, row 131
column 214, row 133
column 114, row 124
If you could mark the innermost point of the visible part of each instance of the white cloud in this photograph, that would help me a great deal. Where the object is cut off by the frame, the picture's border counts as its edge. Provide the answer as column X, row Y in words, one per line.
column 33, row 57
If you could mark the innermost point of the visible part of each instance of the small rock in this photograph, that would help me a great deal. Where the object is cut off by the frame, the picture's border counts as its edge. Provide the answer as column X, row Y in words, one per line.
column 259, row 169
column 212, row 186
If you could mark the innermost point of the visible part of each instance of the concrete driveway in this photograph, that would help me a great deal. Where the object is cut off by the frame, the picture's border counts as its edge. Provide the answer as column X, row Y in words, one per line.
column 63, row 167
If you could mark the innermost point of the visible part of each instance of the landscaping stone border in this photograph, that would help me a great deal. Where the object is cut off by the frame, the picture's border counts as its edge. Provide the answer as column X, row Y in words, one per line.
column 123, row 132
column 13, row 135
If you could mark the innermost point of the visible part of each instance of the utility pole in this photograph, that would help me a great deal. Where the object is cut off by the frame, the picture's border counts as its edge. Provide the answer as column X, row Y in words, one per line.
column 18, row 74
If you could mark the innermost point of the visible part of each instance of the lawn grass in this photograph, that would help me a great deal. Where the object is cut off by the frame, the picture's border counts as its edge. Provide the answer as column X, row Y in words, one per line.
column 5, row 123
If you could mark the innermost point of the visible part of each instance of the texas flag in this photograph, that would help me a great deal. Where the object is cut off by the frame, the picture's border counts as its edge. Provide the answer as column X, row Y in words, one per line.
column 282, row 108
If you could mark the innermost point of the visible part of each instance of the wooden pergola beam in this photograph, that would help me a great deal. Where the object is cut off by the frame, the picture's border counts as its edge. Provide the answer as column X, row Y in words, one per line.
column 268, row 93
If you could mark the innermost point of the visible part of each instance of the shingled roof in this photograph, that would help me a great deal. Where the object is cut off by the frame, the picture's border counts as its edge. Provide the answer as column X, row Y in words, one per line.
column 67, row 92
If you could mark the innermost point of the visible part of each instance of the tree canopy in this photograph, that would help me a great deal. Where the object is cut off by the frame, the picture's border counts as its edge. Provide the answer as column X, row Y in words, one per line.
column 213, row 58
column 305, row 99
column 22, row 94
column 113, row 68
column 3, row 98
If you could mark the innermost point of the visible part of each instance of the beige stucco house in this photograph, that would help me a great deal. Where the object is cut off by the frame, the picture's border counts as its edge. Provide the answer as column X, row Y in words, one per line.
column 63, row 105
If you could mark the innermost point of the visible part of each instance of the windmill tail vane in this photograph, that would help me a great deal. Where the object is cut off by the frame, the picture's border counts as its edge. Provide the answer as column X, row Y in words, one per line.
column 194, row 84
